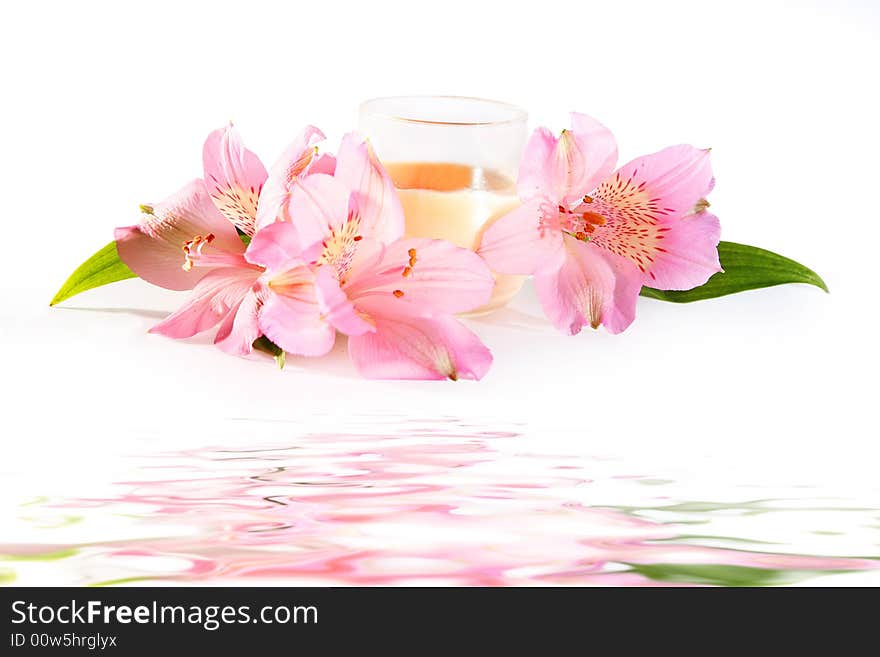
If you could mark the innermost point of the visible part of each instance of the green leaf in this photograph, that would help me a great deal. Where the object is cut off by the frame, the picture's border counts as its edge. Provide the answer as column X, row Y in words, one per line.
column 745, row 268
column 102, row 268
column 265, row 345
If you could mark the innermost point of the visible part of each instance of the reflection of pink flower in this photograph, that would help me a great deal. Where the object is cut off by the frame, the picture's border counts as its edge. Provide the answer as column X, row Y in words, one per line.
column 340, row 265
column 422, row 506
column 593, row 237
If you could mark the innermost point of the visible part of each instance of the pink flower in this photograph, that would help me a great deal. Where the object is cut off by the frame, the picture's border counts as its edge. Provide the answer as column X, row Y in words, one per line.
column 328, row 258
column 341, row 266
column 236, row 185
column 592, row 236
column 190, row 241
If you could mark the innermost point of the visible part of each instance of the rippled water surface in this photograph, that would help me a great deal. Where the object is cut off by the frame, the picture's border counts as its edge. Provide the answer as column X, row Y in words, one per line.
column 433, row 502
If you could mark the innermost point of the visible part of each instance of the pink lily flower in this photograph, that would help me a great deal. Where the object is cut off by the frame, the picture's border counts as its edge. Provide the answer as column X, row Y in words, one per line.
column 341, row 266
column 190, row 241
column 592, row 236
column 235, row 186
column 298, row 283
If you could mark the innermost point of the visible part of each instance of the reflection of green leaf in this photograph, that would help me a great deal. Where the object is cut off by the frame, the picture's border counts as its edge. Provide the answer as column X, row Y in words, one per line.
column 693, row 538
column 102, row 268
column 37, row 500
column 121, row 580
column 745, row 268
column 45, row 556
column 54, row 522
column 723, row 575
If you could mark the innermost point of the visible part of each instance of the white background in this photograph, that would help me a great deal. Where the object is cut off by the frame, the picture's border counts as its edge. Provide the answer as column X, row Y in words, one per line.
column 106, row 105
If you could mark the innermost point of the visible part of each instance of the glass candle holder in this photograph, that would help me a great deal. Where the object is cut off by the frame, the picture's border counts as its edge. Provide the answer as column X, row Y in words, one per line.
column 454, row 162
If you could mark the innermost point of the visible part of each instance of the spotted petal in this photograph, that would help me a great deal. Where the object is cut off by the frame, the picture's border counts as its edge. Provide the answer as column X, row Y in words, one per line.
column 234, row 177
column 645, row 213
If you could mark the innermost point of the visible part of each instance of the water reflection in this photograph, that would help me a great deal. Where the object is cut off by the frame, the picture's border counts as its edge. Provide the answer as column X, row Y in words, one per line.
column 435, row 503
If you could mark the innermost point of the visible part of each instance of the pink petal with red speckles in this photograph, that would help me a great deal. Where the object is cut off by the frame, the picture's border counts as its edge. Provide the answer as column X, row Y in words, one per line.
column 234, row 177
column 644, row 213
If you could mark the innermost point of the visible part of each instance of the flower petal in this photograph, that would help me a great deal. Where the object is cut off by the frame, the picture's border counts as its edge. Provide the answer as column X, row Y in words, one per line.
column 564, row 169
column 156, row 261
column 291, row 317
column 621, row 311
column 599, row 149
column 577, row 293
column 677, row 177
column 359, row 169
column 535, row 178
column 318, row 204
column 293, row 163
column 335, row 305
column 153, row 249
column 419, row 277
column 274, row 246
column 323, row 163
column 234, row 177
column 419, row 348
column 241, row 327
column 523, row 240
column 217, row 294
column 632, row 213
column 689, row 255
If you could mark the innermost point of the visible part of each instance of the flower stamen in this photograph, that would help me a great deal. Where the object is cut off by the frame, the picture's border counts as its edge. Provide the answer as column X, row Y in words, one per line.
column 194, row 247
